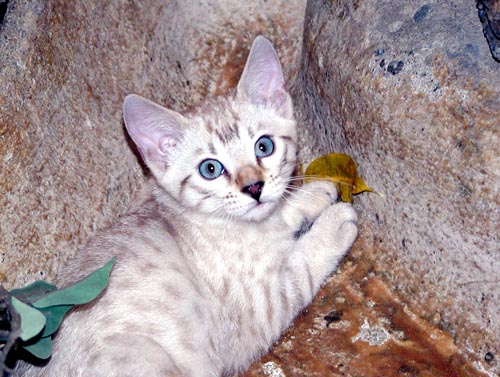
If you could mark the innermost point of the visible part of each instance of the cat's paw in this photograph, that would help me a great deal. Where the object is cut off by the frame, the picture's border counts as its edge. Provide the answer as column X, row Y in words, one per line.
column 323, row 190
column 336, row 228
column 308, row 202
column 327, row 241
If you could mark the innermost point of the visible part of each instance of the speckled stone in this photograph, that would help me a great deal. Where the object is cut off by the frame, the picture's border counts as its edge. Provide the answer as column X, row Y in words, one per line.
column 374, row 333
column 409, row 89
column 425, row 133
column 67, row 167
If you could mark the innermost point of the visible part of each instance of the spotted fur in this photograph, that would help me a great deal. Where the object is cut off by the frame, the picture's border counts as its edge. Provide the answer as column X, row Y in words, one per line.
column 209, row 271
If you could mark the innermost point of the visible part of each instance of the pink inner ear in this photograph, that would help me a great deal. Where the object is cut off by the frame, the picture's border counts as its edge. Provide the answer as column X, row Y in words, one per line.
column 166, row 143
column 262, row 80
column 278, row 98
column 154, row 129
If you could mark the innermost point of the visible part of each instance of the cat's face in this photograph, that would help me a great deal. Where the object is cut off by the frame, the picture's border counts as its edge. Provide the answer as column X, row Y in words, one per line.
column 234, row 157
column 235, row 163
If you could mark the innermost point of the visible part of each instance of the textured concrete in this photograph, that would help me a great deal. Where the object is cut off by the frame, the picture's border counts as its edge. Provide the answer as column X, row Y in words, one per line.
column 409, row 89
column 67, row 168
column 358, row 327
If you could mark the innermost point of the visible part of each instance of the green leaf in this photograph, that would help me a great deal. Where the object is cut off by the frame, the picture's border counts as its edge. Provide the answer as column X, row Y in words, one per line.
column 54, row 316
column 341, row 170
column 33, row 291
column 32, row 321
column 41, row 349
column 81, row 292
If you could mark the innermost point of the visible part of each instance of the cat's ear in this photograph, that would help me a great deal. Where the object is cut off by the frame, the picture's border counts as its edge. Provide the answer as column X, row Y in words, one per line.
column 262, row 80
column 154, row 129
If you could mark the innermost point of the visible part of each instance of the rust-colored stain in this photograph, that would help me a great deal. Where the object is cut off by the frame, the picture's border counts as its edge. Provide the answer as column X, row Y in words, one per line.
column 231, row 71
column 227, row 60
column 358, row 326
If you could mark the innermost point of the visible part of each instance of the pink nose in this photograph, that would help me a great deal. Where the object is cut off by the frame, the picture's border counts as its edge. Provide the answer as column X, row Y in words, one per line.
column 254, row 190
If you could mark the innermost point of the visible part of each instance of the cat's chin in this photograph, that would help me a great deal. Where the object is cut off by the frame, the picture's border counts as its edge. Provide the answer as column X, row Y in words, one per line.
column 258, row 212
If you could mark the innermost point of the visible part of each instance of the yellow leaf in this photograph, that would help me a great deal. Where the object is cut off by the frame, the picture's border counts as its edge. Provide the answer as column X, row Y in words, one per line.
column 340, row 169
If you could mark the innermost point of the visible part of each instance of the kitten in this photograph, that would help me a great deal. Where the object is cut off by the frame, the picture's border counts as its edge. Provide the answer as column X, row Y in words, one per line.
column 221, row 254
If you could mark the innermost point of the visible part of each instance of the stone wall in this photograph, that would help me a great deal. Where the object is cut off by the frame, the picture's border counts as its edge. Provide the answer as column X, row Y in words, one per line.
column 67, row 165
column 409, row 89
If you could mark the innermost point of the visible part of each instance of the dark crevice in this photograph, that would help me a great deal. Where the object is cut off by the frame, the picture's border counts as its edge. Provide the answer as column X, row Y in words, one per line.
column 489, row 14
column 3, row 10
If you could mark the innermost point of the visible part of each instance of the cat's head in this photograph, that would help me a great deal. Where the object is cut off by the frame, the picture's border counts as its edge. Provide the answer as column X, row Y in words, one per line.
column 232, row 157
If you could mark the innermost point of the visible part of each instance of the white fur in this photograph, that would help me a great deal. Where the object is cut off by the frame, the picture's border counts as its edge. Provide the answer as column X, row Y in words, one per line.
column 207, row 277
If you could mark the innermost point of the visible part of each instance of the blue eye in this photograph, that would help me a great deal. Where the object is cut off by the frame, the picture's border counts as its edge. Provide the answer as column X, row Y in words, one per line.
column 211, row 169
column 264, row 147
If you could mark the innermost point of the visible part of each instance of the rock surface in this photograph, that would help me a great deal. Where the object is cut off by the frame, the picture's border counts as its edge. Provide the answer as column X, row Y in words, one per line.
column 67, row 166
column 409, row 89
column 358, row 327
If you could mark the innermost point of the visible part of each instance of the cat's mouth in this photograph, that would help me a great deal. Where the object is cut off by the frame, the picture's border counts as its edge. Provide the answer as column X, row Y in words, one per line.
column 259, row 210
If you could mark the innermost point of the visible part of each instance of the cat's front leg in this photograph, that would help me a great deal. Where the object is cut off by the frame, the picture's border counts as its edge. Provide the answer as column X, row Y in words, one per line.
column 327, row 241
column 323, row 234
